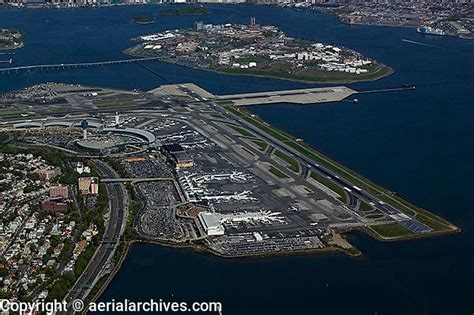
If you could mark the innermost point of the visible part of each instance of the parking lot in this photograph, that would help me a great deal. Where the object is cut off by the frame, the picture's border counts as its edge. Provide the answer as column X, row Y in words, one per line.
column 158, row 218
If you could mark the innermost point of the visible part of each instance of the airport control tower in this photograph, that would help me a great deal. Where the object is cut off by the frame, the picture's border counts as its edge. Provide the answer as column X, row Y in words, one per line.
column 85, row 126
column 117, row 119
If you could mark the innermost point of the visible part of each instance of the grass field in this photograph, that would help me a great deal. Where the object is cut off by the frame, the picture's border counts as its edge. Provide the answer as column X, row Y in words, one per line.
column 435, row 225
column 242, row 131
column 364, row 206
column 293, row 165
column 277, row 172
column 391, row 230
column 262, row 146
column 218, row 116
column 326, row 182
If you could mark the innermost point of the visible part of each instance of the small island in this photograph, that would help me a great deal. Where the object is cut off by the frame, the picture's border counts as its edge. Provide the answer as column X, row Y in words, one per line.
column 258, row 50
column 11, row 38
column 185, row 10
column 143, row 20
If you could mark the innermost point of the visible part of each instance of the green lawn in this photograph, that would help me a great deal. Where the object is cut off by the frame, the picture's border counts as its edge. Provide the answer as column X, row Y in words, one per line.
column 376, row 215
column 262, row 146
column 217, row 116
column 391, row 230
column 242, row 131
column 435, row 225
column 11, row 113
column 224, row 102
column 293, row 165
column 326, row 182
column 364, row 206
column 277, row 172
column 116, row 104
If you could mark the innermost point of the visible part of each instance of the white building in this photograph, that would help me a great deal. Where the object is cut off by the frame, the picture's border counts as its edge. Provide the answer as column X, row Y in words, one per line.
column 211, row 223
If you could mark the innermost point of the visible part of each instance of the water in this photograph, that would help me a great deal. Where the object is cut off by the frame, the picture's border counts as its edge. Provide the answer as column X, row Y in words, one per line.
column 418, row 143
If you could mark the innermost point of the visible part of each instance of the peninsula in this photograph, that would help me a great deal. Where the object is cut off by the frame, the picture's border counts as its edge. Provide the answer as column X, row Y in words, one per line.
column 181, row 167
column 258, row 51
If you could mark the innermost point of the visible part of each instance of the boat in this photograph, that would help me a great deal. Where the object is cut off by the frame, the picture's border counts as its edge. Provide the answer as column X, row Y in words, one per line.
column 430, row 31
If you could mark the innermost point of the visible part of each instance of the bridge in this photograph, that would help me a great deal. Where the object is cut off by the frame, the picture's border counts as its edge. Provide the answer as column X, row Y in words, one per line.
column 73, row 65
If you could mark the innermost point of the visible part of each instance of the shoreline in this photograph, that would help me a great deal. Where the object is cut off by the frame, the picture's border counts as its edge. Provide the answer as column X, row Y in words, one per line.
column 14, row 47
column 461, row 36
column 377, row 237
column 391, row 71
column 361, row 23
column 202, row 248
column 320, row 10
column 205, row 250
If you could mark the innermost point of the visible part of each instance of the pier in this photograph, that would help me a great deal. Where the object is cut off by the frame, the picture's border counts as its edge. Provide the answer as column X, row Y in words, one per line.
column 389, row 89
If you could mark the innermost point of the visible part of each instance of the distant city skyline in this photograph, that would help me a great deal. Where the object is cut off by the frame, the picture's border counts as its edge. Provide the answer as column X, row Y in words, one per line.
column 316, row 2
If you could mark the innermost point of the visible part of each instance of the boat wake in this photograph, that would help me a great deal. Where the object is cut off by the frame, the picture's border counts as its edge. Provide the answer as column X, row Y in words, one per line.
column 435, row 46
column 419, row 43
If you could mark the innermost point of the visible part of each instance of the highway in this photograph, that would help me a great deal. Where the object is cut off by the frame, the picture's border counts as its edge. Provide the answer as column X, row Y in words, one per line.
column 361, row 194
column 113, row 231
